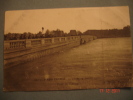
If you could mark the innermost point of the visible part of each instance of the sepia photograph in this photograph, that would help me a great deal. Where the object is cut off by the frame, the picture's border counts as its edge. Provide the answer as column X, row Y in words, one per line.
column 67, row 49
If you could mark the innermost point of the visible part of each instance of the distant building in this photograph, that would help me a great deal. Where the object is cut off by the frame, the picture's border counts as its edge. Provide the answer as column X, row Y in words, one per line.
column 72, row 32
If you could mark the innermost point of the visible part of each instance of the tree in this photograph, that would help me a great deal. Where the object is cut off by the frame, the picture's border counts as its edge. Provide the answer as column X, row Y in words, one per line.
column 47, row 33
column 25, row 35
column 79, row 33
column 42, row 29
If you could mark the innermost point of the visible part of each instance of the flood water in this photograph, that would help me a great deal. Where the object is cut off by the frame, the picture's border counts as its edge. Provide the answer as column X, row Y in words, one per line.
column 101, row 63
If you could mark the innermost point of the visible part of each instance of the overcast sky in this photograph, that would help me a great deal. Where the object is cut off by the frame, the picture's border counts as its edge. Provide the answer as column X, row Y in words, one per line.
column 66, row 19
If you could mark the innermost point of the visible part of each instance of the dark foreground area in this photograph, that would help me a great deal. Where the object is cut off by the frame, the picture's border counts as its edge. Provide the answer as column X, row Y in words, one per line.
column 102, row 63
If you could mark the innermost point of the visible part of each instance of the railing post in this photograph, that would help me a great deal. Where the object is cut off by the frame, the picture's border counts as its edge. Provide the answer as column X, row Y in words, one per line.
column 65, row 38
column 6, row 45
column 52, row 40
column 42, row 41
column 60, row 39
column 28, row 43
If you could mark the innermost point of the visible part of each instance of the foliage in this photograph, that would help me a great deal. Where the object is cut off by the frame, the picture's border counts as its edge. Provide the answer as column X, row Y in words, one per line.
column 125, row 32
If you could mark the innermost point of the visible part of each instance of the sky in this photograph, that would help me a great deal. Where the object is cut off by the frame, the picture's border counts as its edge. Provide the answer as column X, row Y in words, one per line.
column 66, row 19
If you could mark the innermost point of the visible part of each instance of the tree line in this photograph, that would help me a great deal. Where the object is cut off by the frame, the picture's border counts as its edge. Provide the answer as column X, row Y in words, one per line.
column 125, row 32
column 40, row 34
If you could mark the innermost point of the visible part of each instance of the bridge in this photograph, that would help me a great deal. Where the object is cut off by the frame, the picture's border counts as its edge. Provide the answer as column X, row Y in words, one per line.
column 21, row 51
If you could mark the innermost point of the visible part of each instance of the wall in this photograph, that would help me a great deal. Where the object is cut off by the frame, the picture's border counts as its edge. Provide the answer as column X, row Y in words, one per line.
column 21, row 51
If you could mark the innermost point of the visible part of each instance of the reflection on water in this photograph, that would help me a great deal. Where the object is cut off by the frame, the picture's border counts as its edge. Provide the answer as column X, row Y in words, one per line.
column 102, row 63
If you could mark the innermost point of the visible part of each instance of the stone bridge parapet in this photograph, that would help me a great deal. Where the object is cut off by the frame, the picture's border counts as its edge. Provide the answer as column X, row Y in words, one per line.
column 21, row 51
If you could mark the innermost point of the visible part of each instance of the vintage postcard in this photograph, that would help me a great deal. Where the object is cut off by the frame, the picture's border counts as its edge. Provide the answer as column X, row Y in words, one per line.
column 67, row 49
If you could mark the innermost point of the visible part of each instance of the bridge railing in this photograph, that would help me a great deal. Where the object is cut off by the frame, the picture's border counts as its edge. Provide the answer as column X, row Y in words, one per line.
column 35, row 42
column 15, row 44
column 12, row 44
column 28, row 43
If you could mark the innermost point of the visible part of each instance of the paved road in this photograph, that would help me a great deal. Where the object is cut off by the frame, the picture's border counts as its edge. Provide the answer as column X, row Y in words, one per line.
column 102, row 63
